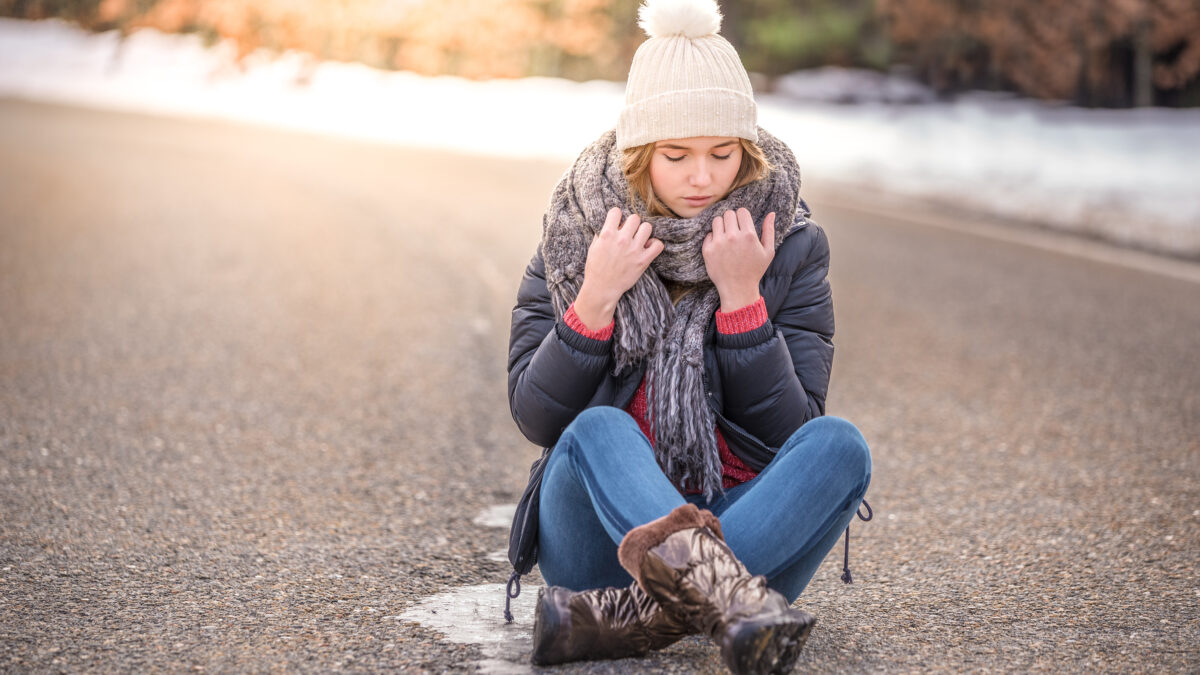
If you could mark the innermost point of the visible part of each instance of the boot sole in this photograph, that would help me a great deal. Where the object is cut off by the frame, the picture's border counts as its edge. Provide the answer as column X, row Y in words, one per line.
column 771, row 646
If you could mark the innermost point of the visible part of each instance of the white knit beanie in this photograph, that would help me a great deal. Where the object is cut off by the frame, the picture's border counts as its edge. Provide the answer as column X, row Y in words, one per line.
column 685, row 80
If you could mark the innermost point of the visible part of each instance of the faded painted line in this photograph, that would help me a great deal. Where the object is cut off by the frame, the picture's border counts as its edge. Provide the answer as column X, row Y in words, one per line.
column 475, row 615
column 498, row 516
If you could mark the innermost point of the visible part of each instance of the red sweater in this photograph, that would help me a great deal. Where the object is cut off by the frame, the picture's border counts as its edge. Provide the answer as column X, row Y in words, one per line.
column 734, row 471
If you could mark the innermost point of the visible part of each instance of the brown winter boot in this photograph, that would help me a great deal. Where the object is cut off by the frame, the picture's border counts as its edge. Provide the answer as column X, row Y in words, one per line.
column 603, row 623
column 681, row 561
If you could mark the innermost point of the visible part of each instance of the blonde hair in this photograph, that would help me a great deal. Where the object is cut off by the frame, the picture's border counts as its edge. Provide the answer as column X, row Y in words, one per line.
column 637, row 172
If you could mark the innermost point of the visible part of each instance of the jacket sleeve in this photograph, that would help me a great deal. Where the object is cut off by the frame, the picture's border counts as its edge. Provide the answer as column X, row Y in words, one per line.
column 775, row 378
column 553, row 371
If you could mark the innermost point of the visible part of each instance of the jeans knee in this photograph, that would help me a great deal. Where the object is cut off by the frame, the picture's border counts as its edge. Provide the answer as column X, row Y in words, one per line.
column 598, row 418
column 598, row 429
column 844, row 446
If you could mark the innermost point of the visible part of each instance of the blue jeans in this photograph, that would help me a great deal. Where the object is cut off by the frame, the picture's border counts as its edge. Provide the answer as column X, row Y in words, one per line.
column 602, row 480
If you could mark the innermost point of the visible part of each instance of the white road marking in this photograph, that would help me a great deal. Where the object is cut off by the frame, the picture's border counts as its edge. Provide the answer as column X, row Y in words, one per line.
column 499, row 516
column 475, row 615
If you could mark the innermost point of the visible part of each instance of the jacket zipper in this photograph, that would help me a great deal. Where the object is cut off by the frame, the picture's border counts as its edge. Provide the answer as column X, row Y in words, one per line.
column 729, row 427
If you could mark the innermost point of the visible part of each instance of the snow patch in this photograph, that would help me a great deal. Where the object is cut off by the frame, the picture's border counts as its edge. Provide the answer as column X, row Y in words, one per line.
column 848, row 85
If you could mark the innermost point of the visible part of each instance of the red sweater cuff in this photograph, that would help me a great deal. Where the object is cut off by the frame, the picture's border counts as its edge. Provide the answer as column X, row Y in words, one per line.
column 576, row 324
column 743, row 320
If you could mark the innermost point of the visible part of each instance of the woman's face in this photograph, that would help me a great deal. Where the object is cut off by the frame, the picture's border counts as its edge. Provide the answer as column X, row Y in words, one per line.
column 691, row 174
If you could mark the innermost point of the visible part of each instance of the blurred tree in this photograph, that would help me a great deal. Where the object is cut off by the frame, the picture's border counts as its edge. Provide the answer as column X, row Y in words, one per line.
column 779, row 36
column 42, row 9
column 1092, row 52
column 474, row 38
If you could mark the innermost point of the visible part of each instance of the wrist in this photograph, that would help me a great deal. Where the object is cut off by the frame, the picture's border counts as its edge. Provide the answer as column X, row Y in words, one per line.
column 595, row 312
column 737, row 298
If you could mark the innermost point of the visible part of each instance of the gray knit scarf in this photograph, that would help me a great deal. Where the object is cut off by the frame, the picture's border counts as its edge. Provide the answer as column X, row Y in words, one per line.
column 649, row 328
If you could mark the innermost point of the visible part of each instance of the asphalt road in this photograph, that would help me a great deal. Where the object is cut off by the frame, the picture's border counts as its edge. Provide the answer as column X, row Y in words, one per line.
column 252, row 398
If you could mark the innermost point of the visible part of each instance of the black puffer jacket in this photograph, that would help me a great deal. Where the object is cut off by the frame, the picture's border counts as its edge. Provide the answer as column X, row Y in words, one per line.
column 762, row 385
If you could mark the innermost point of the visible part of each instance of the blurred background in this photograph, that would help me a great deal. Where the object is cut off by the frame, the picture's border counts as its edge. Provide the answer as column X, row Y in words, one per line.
column 1095, row 53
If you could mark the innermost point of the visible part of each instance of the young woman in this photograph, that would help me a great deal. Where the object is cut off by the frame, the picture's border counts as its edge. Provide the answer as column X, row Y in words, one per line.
column 672, row 343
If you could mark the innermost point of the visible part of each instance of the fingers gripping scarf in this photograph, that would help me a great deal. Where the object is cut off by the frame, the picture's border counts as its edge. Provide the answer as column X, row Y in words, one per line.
column 668, row 338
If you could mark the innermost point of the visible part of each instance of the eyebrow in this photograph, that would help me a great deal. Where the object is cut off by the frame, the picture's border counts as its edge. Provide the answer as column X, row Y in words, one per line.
column 672, row 146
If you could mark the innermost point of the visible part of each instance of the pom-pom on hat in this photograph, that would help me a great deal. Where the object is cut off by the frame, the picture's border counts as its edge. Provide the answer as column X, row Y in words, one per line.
column 685, row 80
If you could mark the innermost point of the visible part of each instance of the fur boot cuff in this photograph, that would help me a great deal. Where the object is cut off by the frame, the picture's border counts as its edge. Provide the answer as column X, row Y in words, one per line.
column 645, row 537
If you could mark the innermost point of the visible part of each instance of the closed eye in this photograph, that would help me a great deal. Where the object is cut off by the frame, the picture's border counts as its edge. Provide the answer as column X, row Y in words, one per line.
column 679, row 159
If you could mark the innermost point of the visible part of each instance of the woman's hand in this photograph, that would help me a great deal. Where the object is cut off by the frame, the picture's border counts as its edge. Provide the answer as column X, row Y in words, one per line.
column 618, row 256
column 736, row 258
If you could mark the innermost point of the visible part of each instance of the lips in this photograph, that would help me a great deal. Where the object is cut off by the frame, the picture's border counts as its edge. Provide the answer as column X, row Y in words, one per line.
column 695, row 201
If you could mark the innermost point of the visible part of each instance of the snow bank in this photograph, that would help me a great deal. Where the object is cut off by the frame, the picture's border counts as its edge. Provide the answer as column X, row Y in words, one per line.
column 848, row 85
column 1127, row 176
column 1124, row 175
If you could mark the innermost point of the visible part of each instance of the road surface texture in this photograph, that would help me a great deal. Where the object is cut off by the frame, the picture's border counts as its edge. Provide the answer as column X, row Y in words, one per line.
column 252, row 396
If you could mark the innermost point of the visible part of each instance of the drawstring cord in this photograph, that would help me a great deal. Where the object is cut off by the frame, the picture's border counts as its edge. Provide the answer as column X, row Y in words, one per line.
column 846, row 560
column 509, row 594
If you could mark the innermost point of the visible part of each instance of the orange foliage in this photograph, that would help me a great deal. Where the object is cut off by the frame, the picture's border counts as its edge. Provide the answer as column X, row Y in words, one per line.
column 474, row 38
column 1179, row 23
column 1049, row 50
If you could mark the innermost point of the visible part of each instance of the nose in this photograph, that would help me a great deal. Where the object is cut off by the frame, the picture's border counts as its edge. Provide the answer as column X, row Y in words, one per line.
column 702, row 176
